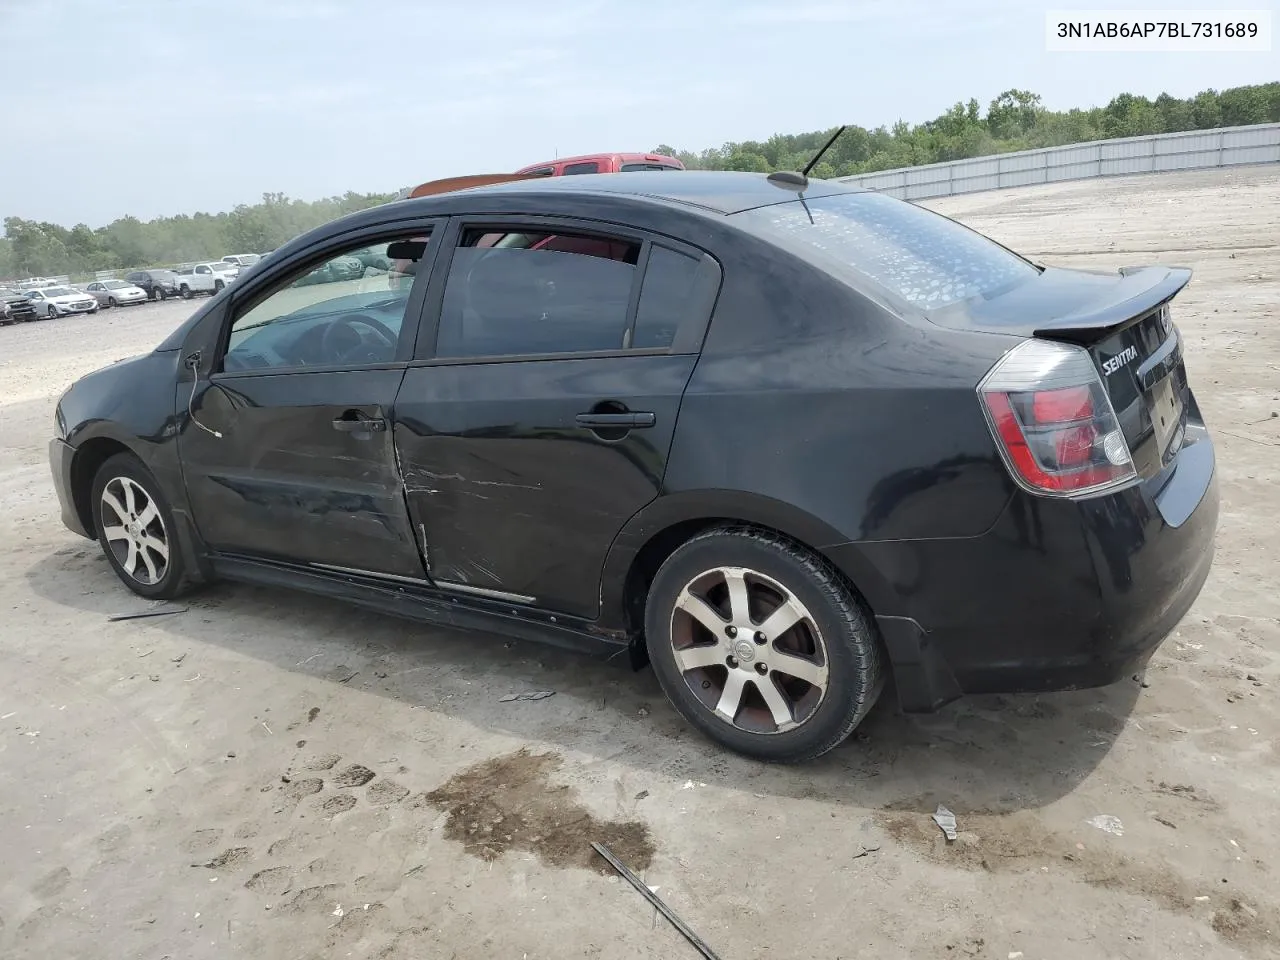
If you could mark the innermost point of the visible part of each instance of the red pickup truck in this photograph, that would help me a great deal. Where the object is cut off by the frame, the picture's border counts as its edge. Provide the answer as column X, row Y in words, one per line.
column 603, row 163
column 595, row 163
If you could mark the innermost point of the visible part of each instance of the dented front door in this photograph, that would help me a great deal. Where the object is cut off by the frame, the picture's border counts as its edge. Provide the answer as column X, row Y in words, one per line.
column 304, row 470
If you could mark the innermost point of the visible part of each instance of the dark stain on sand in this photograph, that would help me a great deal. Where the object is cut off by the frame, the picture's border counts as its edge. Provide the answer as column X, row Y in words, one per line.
column 509, row 803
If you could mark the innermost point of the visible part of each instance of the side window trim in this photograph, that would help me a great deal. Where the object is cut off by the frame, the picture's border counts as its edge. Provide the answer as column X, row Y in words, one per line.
column 244, row 298
column 688, row 338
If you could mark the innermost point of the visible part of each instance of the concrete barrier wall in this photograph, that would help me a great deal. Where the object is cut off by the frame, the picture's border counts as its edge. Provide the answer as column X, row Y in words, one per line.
column 1189, row 150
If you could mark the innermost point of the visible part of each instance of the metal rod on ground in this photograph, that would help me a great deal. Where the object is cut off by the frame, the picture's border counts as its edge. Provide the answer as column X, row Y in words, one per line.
column 653, row 898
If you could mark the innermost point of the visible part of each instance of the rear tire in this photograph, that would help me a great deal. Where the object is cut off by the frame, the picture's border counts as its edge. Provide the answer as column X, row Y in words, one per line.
column 137, row 531
column 784, row 676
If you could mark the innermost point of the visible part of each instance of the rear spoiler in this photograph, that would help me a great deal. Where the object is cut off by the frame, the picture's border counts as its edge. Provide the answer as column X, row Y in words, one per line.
column 449, row 184
column 1139, row 291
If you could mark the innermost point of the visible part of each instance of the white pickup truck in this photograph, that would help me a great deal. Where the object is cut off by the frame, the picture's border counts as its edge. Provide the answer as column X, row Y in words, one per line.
column 207, row 278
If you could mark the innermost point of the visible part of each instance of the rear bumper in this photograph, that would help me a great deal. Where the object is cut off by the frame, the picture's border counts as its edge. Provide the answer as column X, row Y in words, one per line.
column 61, row 454
column 1057, row 595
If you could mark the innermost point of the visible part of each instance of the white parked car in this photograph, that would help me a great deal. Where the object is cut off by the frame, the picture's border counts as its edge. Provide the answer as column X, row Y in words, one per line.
column 242, row 260
column 115, row 293
column 207, row 278
column 61, row 301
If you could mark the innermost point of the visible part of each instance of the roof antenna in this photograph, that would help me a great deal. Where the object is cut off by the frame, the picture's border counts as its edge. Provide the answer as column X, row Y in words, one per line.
column 789, row 178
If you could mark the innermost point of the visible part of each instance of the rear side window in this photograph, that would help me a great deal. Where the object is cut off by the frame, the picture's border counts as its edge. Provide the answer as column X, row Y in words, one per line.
column 633, row 167
column 528, row 293
column 677, row 288
column 919, row 256
column 589, row 167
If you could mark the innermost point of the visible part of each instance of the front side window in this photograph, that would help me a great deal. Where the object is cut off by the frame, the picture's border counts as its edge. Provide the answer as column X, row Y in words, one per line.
column 634, row 167
column 923, row 258
column 348, row 310
column 203, row 269
column 531, row 292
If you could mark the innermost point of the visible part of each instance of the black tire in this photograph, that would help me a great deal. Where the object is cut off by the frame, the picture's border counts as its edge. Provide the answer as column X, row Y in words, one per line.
column 217, row 288
column 111, row 302
column 157, row 294
column 52, row 313
column 186, row 292
column 175, row 580
column 93, row 309
column 853, row 658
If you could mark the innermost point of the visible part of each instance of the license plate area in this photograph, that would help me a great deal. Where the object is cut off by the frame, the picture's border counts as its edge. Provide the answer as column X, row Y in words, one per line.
column 1167, row 409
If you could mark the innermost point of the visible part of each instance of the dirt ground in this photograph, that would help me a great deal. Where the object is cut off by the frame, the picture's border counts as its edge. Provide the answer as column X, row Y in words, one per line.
column 270, row 775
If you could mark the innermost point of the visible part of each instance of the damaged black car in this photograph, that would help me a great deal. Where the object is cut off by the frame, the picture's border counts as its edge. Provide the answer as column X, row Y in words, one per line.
column 782, row 439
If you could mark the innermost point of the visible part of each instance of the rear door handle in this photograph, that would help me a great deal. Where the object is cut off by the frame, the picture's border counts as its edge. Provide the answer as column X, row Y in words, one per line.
column 632, row 421
column 353, row 421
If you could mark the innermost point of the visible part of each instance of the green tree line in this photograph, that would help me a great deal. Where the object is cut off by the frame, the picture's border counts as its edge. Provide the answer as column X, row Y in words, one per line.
column 1015, row 120
column 32, row 248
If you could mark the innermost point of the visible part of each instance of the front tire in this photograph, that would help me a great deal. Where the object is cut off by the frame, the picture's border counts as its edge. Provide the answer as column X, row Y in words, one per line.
column 111, row 302
column 157, row 295
column 136, row 529
column 51, row 312
column 186, row 292
column 761, row 645
column 217, row 288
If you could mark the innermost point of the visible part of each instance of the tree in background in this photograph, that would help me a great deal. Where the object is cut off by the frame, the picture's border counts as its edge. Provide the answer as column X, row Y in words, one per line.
column 1015, row 120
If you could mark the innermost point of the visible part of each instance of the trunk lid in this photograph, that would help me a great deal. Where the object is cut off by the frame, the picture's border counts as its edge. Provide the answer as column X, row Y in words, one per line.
column 1124, row 321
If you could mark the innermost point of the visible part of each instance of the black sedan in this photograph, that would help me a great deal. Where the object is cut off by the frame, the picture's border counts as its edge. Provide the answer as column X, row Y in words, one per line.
column 158, row 284
column 780, row 438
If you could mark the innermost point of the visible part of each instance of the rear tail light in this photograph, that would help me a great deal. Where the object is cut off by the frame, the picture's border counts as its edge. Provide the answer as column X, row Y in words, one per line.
column 1053, row 421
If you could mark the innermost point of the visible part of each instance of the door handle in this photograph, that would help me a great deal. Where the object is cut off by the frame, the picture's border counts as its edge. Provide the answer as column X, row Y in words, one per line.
column 630, row 421
column 353, row 421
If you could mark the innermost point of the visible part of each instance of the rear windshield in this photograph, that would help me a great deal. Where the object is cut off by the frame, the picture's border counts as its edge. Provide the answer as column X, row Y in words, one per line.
column 633, row 167
column 915, row 254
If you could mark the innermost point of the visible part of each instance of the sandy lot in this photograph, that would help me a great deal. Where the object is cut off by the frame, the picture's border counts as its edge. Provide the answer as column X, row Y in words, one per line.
column 270, row 775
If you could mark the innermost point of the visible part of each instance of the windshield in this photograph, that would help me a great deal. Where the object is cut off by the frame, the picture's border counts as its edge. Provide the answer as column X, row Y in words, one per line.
column 59, row 292
column 915, row 254
column 115, row 284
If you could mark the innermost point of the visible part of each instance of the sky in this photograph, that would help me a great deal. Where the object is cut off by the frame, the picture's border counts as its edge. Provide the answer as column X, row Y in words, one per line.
column 157, row 107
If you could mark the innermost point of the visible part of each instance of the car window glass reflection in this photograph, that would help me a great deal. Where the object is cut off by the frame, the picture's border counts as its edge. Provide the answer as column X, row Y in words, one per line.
column 520, row 293
column 347, row 311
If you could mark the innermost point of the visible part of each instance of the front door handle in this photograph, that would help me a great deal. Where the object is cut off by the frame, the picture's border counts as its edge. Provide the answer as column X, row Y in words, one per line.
column 629, row 421
column 353, row 421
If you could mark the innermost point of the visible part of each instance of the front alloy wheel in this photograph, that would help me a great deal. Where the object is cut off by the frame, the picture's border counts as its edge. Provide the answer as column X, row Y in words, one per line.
column 137, row 531
column 761, row 644
column 134, row 531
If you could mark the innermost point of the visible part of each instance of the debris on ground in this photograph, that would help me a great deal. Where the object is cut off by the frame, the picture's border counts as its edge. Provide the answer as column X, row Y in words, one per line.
column 1108, row 824
column 946, row 821
column 643, row 712
column 864, row 849
column 530, row 695
column 642, row 794
column 146, row 613
column 1167, row 823
column 649, row 894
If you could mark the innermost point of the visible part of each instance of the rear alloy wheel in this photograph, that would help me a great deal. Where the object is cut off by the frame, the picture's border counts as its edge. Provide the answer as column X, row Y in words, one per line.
column 136, row 529
column 761, row 645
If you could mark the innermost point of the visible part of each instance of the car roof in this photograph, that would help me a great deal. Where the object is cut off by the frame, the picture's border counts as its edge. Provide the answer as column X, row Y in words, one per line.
column 718, row 191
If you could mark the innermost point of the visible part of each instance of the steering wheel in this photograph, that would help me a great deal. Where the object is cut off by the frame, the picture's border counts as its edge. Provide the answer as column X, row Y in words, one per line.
column 348, row 328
